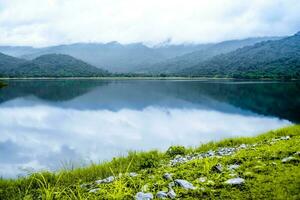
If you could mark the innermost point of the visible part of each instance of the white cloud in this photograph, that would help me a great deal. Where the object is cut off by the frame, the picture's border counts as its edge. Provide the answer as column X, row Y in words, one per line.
column 46, row 135
column 46, row 22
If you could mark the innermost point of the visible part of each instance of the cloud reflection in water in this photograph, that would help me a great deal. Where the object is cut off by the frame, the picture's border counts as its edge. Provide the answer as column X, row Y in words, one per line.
column 43, row 136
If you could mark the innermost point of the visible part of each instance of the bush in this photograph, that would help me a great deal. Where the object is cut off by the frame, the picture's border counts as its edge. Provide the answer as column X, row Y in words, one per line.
column 144, row 160
column 176, row 150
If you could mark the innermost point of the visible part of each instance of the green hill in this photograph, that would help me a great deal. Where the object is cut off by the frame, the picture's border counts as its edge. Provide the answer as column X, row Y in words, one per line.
column 191, row 59
column 270, row 59
column 50, row 65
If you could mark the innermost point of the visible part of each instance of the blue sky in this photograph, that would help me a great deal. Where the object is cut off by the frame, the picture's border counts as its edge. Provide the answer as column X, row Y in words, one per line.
column 50, row 22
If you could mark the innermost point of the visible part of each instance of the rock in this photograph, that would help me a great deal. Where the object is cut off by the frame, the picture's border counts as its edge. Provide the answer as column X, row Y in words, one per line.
column 167, row 176
column 106, row 180
column 161, row 195
column 210, row 153
column 285, row 137
column 95, row 190
column 184, row 184
column 202, row 179
column 172, row 184
column 243, row 146
column 235, row 181
column 218, row 168
column 133, row 174
column 233, row 167
column 143, row 196
column 297, row 153
column 171, row 194
column 289, row 159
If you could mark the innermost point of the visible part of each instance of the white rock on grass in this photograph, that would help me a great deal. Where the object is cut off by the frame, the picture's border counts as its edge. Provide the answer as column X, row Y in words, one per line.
column 167, row 176
column 133, row 174
column 235, row 181
column 171, row 194
column 233, row 167
column 143, row 196
column 285, row 137
column 202, row 179
column 106, row 180
column 288, row 159
column 161, row 195
column 94, row 190
column 184, row 184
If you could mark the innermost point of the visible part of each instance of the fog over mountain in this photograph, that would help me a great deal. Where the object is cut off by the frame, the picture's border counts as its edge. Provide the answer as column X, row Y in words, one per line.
column 135, row 57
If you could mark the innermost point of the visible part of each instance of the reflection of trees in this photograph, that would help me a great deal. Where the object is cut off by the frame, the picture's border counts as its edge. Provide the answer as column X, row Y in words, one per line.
column 278, row 99
column 274, row 99
column 51, row 90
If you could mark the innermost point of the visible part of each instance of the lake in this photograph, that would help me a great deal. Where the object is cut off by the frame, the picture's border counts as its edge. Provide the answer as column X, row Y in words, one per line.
column 48, row 124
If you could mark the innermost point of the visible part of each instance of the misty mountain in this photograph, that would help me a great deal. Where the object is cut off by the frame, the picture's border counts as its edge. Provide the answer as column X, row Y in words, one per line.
column 269, row 59
column 190, row 59
column 50, row 65
column 17, row 51
column 114, row 56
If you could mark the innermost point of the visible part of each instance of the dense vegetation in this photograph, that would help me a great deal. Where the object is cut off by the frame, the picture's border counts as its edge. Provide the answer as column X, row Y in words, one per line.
column 50, row 65
column 178, row 63
column 268, row 166
column 270, row 59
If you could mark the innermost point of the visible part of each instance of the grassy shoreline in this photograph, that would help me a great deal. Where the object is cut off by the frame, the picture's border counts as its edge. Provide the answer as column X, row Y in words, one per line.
column 260, row 165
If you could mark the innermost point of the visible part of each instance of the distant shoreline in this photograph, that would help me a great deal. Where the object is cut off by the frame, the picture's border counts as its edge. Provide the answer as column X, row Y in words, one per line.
column 139, row 78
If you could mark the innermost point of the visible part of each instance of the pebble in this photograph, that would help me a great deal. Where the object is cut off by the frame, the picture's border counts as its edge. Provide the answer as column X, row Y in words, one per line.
column 184, row 184
column 143, row 196
column 218, row 168
column 285, row 138
column 133, row 174
column 171, row 194
column 288, row 159
column 235, row 181
column 106, row 180
column 167, row 176
column 94, row 190
column 161, row 195
column 202, row 179
column 233, row 167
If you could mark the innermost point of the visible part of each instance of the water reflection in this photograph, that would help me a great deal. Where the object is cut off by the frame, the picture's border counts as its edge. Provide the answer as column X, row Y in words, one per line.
column 46, row 122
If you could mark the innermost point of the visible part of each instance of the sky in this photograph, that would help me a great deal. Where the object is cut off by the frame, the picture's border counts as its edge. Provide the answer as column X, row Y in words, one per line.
column 52, row 22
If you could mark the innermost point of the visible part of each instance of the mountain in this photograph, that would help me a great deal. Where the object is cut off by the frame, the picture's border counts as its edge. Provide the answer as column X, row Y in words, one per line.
column 269, row 59
column 114, row 56
column 18, row 51
column 9, row 62
column 50, row 65
column 190, row 59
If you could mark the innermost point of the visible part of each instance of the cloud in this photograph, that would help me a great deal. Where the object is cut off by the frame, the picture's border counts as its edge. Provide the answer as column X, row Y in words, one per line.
column 48, row 22
column 42, row 137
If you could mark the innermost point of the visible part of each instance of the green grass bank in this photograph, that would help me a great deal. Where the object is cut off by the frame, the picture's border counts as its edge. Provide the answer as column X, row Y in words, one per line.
column 262, row 167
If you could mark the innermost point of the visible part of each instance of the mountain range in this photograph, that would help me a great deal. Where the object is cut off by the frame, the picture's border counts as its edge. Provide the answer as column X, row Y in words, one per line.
column 264, row 57
column 268, row 59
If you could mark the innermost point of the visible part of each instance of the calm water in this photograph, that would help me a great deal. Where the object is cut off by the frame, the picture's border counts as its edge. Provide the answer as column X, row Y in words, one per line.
column 46, row 124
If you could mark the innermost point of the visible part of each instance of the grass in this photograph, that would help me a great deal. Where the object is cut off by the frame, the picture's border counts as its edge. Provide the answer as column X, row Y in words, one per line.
column 266, row 177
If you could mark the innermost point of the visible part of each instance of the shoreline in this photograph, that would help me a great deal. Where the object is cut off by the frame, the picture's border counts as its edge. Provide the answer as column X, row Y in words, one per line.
column 232, row 168
column 142, row 78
